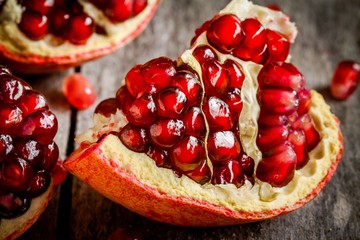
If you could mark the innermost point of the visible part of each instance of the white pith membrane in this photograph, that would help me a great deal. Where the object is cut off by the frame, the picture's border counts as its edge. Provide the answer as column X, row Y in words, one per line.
column 249, row 198
column 15, row 41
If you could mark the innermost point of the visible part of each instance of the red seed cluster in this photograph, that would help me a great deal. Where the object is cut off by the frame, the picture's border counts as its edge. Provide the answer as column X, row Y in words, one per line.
column 27, row 150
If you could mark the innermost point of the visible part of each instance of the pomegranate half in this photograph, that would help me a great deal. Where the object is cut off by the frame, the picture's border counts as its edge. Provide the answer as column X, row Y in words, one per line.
column 226, row 134
column 30, row 168
column 47, row 36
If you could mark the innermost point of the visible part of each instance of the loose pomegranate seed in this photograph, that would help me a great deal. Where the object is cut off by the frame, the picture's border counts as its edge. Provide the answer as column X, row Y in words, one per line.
column 190, row 85
column 165, row 133
column 142, row 111
column 278, row 101
column 304, row 101
column 6, row 146
column 119, row 10
column 39, row 183
column 10, row 118
column 306, row 124
column 11, row 88
column 247, row 164
column 234, row 101
column 272, row 120
column 278, row 46
column 203, row 53
column 228, row 172
column 134, row 82
column 107, row 107
column 51, row 152
column 217, row 114
column 222, row 146
column 160, row 156
column 31, row 102
column 171, row 103
column 281, row 75
column 194, row 122
column 215, row 78
column 277, row 169
column 16, row 175
column 60, row 21
column 225, row 32
column 34, row 25
column 124, row 99
column 41, row 6
column 78, row 91
column 345, row 79
column 31, row 151
column 235, row 73
column 81, row 27
column 12, row 205
column 269, row 137
column 134, row 138
column 188, row 154
column 298, row 141
column 139, row 6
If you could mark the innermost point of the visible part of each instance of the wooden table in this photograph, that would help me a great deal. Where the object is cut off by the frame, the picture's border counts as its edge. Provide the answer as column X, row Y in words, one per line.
column 329, row 32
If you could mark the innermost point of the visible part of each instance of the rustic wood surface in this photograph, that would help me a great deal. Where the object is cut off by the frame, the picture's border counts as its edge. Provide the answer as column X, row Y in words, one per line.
column 329, row 32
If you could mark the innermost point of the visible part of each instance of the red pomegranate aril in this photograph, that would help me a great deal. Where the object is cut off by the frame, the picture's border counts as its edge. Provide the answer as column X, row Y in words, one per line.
column 6, row 146
column 15, row 175
column 81, row 27
column 34, row 25
column 12, row 205
column 41, row 6
column 194, row 122
column 200, row 30
column 203, row 53
column 139, row 6
column 281, row 75
column 298, row 141
column 228, row 172
column 11, row 88
column 107, row 107
column 124, row 99
column 39, row 183
column 59, row 23
column 159, row 72
column 217, row 114
column 187, row 154
column 278, row 101
column 142, row 112
column 78, row 91
column 190, row 85
column 31, row 151
column 51, row 153
column 165, row 133
column 273, row 7
column 223, row 146
column 306, row 124
column 32, row 102
column 234, row 101
column 134, row 138
column 201, row 174
column 304, row 101
column 134, row 82
column 171, row 103
column 261, row 56
column 225, row 32
column 41, row 126
column 269, row 137
column 10, row 119
column 118, row 10
column 247, row 164
column 266, row 120
column 345, row 79
column 160, row 156
column 235, row 74
column 278, row 46
column 215, row 78
column 277, row 169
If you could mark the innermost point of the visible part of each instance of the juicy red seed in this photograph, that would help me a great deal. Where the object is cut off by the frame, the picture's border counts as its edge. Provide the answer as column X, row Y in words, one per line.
column 217, row 114
column 34, row 25
column 78, row 91
column 201, row 174
column 277, row 169
column 190, row 85
column 16, row 175
column 261, row 57
column 278, row 46
column 134, row 138
column 124, row 99
column 235, row 73
column 31, row 102
column 139, row 6
column 165, row 133
column 345, row 79
column 304, row 101
column 107, row 107
column 203, row 53
column 41, row 6
column 41, row 126
column 215, row 78
column 306, row 124
column 81, row 27
column 281, row 75
column 298, row 141
column 142, row 111
column 118, row 10
column 225, row 32
column 51, row 156
column 6, row 146
column 247, row 164
column 12, row 205
column 134, row 82
column 159, row 72
column 11, row 88
column 269, row 137
column 228, row 172
column 31, row 151
column 171, row 103
column 223, row 146
column 160, row 156
column 60, row 20
column 188, row 154
column 276, row 101
column 10, row 119
column 194, row 122
column 39, row 183
column 272, row 120
column 234, row 101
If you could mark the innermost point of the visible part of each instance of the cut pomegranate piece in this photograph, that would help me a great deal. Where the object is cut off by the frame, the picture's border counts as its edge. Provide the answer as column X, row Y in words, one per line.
column 276, row 101
column 217, row 114
column 34, row 25
column 223, row 146
column 142, row 112
column 345, row 79
column 171, row 103
column 134, row 138
column 165, row 133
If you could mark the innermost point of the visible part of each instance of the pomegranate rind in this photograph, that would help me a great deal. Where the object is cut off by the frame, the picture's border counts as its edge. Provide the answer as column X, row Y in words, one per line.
column 28, row 63
column 104, row 167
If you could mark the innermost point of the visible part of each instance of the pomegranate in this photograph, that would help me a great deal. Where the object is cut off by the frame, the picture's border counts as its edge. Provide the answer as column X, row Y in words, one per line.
column 46, row 36
column 226, row 134
column 29, row 166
